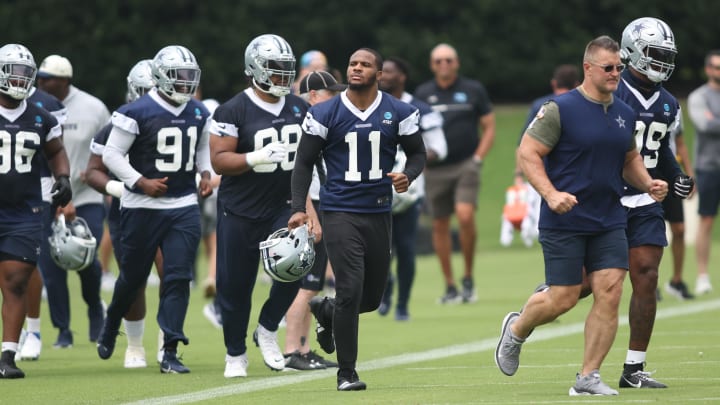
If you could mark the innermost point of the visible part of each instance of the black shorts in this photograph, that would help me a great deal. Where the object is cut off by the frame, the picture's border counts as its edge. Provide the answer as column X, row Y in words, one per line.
column 673, row 208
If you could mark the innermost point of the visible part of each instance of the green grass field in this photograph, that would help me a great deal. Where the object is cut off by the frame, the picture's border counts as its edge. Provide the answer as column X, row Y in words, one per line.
column 444, row 354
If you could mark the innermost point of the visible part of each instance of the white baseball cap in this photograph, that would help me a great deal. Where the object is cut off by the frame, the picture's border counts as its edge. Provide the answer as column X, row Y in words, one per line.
column 55, row 66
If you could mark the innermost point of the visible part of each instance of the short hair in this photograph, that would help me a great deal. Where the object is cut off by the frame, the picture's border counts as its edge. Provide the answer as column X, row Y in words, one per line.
column 566, row 76
column 401, row 64
column 601, row 42
column 376, row 54
column 709, row 56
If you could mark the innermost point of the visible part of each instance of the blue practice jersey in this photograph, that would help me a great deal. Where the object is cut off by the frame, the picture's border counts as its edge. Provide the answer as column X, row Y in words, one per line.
column 657, row 116
column 265, row 190
column 166, row 143
column 48, row 102
column 359, row 151
column 588, row 162
column 23, row 134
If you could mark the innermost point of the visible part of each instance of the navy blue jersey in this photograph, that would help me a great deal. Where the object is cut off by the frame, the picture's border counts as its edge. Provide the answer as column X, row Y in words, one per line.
column 657, row 115
column 22, row 139
column 588, row 162
column 263, row 191
column 359, row 151
column 165, row 143
column 48, row 102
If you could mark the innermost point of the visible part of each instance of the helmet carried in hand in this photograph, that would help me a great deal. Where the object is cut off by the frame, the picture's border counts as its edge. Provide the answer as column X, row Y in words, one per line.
column 72, row 246
column 287, row 256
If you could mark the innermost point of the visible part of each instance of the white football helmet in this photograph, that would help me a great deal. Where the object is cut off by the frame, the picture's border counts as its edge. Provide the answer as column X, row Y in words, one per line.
column 270, row 55
column 648, row 46
column 17, row 71
column 139, row 80
column 176, row 73
column 72, row 246
column 288, row 255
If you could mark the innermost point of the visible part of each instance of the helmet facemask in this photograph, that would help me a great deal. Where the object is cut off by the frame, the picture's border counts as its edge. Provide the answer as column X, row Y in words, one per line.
column 271, row 63
column 179, row 84
column 648, row 46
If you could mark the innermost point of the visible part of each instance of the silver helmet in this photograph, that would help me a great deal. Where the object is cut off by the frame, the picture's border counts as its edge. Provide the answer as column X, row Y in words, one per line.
column 270, row 55
column 17, row 71
column 72, row 246
column 139, row 80
column 176, row 73
column 648, row 46
column 288, row 255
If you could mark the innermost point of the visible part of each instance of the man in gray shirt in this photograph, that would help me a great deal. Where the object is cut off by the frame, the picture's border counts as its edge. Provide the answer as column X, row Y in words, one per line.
column 704, row 110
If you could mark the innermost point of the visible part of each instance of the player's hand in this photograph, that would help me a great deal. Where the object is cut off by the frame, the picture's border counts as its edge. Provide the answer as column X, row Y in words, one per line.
column 314, row 228
column 153, row 187
column 274, row 152
column 205, row 187
column 400, row 181
column 658, row 190
column 69, row 212
column 61, row 191
column 683, row 186
column 297, row 219
column 561, row 202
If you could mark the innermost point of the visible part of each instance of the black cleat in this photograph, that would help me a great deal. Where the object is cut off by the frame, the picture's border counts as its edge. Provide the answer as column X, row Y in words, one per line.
column 171, row 364
column 320, row 359
column 349, row 382
column 634, row 377
column 8, row 369
column 319, row 309
column 106, row 341
column 678, row 290
column 299, row 361
column 95, row 321
column 64, row 339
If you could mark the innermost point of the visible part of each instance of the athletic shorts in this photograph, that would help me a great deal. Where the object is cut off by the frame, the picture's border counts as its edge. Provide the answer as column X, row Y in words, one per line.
column 21, row 241
column 567, row 252
column 673, row 209
column 452, row 183
column 708, row 188
column 646, row 226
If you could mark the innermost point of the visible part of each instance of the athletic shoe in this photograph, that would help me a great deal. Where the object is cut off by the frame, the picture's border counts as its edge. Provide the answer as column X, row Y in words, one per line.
column 161, row 346
column 451, row 296
column 678, row 290
column 96, row 317
column 236, row 366
column 267, row 342
column 8, row 369
column 401, row 314
column 107, row 281
column 320, row 359
column 106, row 341
column 324, row 323
column 349, row 382
column 591, row 384
column 64, row 339
column 21, row 342
column 468, row 290
column 634, row 377
column 299, row 361
column 31, row 347
column 507, row 353
column 212, row 315
column 702, row 285
column 135, row 357
column 171, row 364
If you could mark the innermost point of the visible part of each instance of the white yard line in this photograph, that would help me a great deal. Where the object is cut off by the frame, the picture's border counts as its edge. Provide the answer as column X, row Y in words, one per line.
column 545, row 333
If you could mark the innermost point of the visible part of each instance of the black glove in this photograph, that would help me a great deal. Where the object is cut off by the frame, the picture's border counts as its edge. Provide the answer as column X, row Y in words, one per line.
column 61, row 191
column 682, row 186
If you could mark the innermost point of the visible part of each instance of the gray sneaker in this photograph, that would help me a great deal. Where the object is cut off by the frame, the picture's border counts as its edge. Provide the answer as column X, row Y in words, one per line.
column 591, row 384
column 507, row 353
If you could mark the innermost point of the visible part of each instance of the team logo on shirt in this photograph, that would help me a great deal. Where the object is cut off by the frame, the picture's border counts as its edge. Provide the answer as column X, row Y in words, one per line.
column 460, row 97
column 297, row 111
column 620, row 121
column 387, row 115
column 198, row 114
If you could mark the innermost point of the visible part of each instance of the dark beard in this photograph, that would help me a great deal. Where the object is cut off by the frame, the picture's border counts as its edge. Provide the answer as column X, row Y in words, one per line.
column 364, row 86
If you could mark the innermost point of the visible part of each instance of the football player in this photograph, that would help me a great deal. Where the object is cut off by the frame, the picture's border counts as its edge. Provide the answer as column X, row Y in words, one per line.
column 358, row 134
column 252, row 145
column 28, row 131
column 648, row 47
column 162, row 135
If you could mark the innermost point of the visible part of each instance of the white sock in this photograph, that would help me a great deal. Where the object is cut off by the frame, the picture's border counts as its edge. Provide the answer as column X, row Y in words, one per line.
column 33, row 325
column 134, row 331
column 635, row 357
column 12, row 346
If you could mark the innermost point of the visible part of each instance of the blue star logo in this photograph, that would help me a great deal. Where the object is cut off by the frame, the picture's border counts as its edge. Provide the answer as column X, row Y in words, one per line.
column 620, row 121
column 638, row 28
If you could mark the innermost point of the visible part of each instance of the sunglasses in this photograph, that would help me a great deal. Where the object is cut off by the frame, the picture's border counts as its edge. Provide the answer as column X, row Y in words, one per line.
column 441, row 60
column 609, row 68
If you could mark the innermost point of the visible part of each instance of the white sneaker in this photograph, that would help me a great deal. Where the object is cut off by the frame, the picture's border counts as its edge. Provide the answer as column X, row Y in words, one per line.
column 702, row 284
column 135, row 357
column 21, row 342
column 107, row 281
column 236, row 366
column 267, row 342
column 32, row 347
column 161, row 343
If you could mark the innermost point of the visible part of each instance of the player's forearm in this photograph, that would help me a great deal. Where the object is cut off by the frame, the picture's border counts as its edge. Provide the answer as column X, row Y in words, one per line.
column 635, row 173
